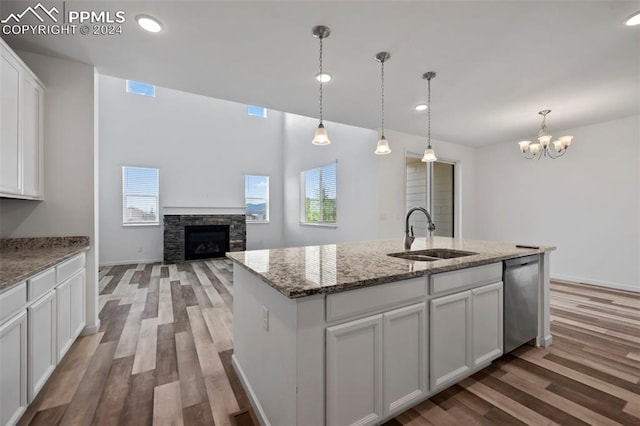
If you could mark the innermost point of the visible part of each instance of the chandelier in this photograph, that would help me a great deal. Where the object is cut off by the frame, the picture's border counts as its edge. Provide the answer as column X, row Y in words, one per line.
column 544, row 146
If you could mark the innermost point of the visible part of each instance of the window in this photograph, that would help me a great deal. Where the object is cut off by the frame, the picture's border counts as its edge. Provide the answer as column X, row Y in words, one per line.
column 140, row 190
column 144, row 89
column 256, row 197
column 320, row 195
column 256, row 111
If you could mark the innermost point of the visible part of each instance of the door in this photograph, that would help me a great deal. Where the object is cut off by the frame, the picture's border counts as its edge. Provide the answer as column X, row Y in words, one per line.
column 63, row 314
column 405, row 357
column 31, row 108
column 13, row 368
column 354, row 372
column 10, row 152
column 450, row 329
column 77, row 308
column 487, row 323
column 42, row 342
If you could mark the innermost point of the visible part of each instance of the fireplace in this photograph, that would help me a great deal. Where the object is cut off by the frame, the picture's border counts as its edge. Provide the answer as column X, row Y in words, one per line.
column 182, row 243
column 205, row 241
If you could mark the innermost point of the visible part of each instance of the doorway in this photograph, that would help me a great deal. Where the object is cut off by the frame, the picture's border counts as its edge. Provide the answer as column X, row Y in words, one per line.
column 432, row 186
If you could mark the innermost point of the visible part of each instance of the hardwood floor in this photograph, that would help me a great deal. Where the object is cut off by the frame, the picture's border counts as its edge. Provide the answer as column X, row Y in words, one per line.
column 163, row 356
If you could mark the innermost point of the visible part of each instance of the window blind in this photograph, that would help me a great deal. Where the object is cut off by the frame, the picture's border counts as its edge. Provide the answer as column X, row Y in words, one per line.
column 140, row 193
column 320, row 194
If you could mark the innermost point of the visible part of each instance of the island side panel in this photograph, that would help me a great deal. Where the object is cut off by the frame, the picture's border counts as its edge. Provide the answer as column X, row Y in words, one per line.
column 544, row 298
column 265, row 358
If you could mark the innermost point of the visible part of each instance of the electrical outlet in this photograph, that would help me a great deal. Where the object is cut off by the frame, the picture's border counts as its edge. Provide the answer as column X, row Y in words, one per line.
column 265, row 318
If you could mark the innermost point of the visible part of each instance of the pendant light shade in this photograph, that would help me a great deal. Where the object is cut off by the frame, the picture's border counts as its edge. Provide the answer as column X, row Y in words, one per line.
column 429, row 154
column 382, row 147
column 320, row 136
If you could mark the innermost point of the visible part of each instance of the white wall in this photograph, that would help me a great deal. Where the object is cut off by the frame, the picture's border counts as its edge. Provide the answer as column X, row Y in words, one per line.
column 202, row 146
column 391, row 183
column 585, row 203
column 357, row 194
column 68, row 206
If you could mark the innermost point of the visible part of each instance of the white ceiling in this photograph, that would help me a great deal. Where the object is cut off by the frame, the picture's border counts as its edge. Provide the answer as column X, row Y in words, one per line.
column 498, row 62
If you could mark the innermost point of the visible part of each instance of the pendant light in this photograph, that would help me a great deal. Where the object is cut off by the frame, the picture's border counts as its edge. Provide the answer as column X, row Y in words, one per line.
column 320, row 136
column 429, row 154
column 382, row 148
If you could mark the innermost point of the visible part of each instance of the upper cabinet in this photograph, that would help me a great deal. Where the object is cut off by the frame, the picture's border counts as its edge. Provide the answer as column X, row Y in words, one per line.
column 21, row 128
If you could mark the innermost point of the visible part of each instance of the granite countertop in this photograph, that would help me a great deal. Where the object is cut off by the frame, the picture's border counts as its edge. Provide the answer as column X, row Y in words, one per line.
column 304, row 271
column 21, row 258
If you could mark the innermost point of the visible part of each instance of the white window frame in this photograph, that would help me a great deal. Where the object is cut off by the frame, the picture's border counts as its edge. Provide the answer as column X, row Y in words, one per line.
column 303, row 196
column 124, row 195
column 266, row 200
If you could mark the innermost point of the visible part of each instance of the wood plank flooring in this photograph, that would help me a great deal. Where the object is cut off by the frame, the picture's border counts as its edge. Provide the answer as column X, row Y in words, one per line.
column 163, row 357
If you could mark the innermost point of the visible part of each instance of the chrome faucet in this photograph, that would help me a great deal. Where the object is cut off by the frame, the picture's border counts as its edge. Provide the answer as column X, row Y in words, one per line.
column 408, row 239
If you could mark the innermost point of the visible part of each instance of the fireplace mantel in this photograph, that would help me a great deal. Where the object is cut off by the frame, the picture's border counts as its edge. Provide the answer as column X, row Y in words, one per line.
column 202, row 210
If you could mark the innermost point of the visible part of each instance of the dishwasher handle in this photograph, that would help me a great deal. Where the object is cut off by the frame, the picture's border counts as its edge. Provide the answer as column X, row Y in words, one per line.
column 521, row 261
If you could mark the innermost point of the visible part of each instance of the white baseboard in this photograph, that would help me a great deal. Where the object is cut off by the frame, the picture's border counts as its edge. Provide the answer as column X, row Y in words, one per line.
column 129, row 262
column 260, row 414
column 616, row 286
column 90, row 330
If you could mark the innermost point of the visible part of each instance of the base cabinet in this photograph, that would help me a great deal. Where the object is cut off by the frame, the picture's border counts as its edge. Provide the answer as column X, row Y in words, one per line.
column 69, row 312
column 487, row 305
column 405, row 357
column 13, row 368
column 466, row 332
column 354, row 372
column 450, row 327
column 42, row 342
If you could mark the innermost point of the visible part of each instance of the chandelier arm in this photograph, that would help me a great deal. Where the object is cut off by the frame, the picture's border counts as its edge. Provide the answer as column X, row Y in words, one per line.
column 528, row 155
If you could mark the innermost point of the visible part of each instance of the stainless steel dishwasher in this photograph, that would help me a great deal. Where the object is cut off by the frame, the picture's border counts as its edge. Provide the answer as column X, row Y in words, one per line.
column 520, row 301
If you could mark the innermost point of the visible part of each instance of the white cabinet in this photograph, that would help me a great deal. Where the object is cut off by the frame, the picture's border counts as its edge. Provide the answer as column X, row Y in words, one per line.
column 21, row 128
column 487, row 306
column 450, row 328
column 32, row 137
column 69, row 312
column 354, row 372
column 13, row 368
column 404, row 357
column 42, row 342
column 10, row 152
column 466, row 332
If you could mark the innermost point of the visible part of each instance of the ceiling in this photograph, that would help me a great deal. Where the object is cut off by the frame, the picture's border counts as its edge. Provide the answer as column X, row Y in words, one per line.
column 498, row 62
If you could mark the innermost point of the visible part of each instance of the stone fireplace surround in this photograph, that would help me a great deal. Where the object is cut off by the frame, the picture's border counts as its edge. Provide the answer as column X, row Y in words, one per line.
column 174, row 229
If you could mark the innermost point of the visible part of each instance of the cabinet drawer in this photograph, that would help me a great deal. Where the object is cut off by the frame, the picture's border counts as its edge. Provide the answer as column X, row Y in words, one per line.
column 70, row 267
column 11, row 301
column 374, row 299
column 448, row 282
column 42, row 283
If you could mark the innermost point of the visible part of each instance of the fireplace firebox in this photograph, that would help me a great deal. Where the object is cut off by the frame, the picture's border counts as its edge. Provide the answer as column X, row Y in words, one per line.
column 205, row 241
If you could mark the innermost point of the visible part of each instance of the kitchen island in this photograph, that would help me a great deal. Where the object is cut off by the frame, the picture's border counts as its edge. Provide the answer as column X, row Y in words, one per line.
column 346, row 334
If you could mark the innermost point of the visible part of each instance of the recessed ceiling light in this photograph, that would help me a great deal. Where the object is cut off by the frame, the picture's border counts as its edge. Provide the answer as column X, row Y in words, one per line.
column 633, row 20
column 149, row 23
column 324, row 77
column 421, row 107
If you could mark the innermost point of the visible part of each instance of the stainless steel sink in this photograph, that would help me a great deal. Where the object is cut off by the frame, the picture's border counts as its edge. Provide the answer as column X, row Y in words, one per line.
column 431, row 255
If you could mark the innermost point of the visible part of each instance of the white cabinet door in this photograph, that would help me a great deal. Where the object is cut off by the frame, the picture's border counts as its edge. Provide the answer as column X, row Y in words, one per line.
column 63, row 314
column 487, row 302
column 42, row 342
column 13, row 369
column 405, row 357
column 10, row 152
column 77, row 304
column 450, row 328
column 354, row 372
column 32, row 150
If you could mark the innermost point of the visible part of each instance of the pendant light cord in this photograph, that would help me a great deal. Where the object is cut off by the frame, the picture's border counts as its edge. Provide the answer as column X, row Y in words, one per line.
column 382, row 95
column 321, row 76
column 429, row 113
